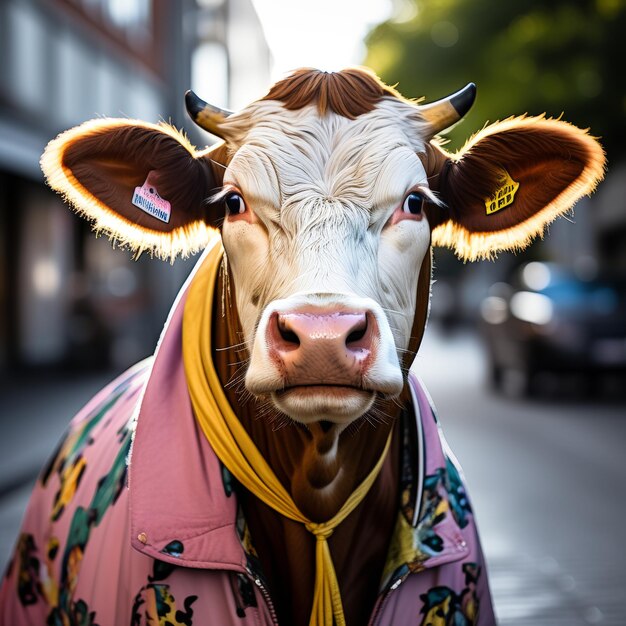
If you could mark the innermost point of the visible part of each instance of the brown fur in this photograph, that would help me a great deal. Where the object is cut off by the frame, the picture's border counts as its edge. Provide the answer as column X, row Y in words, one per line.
column 422, row 303
column 544, row 163
column 111, row 164
column 350, row 92
column 97, row 165
column 554, row 163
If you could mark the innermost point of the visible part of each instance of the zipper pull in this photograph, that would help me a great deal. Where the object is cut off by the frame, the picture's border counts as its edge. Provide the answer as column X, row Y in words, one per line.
column 266, row 595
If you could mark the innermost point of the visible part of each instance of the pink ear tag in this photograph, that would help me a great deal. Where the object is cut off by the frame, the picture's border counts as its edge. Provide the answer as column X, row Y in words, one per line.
column 147, row 198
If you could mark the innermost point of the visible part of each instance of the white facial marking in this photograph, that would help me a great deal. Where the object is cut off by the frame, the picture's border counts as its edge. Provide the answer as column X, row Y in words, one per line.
column 324, row 230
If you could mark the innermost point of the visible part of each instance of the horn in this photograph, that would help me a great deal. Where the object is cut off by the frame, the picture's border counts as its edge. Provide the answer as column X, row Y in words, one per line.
column 204, row 114
column 447, row 111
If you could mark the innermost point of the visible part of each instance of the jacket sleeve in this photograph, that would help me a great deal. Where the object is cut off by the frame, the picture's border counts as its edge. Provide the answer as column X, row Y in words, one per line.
column 26, row 587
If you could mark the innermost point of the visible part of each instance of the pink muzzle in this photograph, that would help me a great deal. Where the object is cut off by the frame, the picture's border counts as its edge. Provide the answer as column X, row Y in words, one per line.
column 314, row 346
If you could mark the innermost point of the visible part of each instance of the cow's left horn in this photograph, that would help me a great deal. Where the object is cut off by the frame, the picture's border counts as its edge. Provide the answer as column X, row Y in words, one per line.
column 204, row 114
column 447, row 111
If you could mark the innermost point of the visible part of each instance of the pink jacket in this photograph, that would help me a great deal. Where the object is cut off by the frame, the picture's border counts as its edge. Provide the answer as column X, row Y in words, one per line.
column 160, row 541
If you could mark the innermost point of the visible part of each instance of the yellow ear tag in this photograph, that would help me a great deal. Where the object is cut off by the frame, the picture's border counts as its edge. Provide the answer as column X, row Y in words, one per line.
column 503, row 196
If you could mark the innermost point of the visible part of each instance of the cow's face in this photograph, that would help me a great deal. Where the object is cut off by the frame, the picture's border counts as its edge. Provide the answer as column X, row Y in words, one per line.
column 322, row 183
column 325, row 234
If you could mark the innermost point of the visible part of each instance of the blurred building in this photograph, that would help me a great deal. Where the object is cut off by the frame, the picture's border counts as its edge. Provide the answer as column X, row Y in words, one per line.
column 67, row 298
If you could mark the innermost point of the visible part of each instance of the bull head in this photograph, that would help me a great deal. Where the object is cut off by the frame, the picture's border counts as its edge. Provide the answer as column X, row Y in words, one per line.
column 331, row 193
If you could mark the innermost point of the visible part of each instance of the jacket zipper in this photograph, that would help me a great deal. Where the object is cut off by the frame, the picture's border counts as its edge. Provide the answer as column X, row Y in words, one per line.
column 378, row 609
column 380, row 605
column 270, row 605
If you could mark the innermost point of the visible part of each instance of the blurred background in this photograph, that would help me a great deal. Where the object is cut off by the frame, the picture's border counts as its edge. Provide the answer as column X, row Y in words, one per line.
column 525, row 357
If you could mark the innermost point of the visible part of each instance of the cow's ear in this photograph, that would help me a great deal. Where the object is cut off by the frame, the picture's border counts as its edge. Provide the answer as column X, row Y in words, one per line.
column 508, row 182
column 142, row 184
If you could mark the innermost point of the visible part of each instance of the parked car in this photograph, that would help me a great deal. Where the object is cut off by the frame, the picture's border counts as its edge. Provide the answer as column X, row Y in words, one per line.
column 549, row 320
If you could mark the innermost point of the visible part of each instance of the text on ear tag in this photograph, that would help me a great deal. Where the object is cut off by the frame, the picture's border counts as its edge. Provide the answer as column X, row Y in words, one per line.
column 148, row 199
column 504, row 195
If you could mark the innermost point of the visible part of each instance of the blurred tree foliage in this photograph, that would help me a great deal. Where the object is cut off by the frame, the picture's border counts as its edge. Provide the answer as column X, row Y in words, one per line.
column 534, row 56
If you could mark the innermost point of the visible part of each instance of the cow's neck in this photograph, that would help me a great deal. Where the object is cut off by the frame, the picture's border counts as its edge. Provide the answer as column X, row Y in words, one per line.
column 320, row 468
column 358, row 546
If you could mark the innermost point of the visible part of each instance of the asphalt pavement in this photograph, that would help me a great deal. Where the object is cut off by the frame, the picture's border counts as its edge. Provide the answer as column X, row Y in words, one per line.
column 546, row 477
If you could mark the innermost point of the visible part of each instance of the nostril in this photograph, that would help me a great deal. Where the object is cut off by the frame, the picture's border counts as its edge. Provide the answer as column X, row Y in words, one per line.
column 356, row 335
column 357, row 332
column 286, row 334
column 289, row 336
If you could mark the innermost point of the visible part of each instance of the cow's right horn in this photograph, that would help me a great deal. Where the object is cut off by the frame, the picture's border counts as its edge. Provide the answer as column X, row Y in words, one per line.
column 447, row 111
column 204, row 114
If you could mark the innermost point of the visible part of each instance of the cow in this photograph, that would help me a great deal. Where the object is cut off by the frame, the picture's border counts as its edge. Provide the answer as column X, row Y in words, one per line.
column 277, row 462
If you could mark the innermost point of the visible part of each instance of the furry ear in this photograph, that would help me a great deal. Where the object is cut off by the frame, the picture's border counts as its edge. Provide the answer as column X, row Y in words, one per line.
column 508, row 182
column 142, row 184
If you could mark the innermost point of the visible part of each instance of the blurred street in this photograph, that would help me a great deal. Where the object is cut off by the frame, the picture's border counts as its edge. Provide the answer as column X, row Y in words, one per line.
column 546, row 480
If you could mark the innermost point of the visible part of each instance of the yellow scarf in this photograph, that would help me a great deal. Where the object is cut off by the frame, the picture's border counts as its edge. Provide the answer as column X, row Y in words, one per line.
column 236, row 450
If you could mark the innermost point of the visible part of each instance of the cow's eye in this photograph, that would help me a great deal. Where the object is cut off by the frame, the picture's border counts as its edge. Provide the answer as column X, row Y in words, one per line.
column 413, row 203
column 235, row 204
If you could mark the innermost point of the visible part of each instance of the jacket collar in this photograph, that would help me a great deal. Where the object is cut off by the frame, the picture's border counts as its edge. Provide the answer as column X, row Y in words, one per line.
column 183, row 511
column 180, row 511
column 434, row 507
